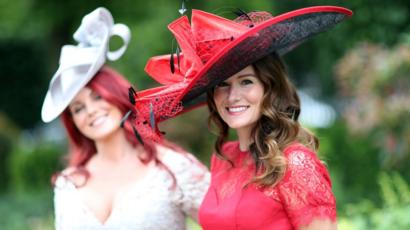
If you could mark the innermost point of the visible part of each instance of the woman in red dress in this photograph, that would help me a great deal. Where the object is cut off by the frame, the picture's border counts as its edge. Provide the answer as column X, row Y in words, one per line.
column 271, row 177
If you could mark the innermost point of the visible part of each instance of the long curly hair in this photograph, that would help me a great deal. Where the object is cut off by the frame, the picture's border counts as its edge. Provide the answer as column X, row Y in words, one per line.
column 277, row 127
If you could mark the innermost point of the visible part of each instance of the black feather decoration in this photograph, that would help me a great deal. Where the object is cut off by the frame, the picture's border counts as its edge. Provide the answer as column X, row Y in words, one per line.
column 152, row 116
column 137, row 135
column 131, row 95
column 125, row 118
column 240, row 13
column 171, row 63
column 177, row 51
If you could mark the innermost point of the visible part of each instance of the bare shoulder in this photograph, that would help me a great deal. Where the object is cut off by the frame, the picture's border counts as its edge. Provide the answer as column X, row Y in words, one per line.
column 175, row 159
column 71, row 175
column 68, row 171
column 167, row 153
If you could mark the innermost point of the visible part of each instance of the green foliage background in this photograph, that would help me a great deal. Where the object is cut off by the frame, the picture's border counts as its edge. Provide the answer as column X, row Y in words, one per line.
column 371, row 194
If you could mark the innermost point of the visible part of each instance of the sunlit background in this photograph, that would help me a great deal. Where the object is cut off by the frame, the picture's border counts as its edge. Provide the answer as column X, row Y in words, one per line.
column 354, row 84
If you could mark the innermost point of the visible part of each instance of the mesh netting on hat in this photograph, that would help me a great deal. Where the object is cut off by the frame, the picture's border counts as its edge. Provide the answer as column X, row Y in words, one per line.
column 253, row 18
column 280, row 37
column 156, row 108
column 215, row 48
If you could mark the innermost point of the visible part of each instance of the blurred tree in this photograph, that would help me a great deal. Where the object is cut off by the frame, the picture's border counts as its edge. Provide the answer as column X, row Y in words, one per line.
column 8, row 134
column 191, row 132
column 22, row 82
column 392, row 212
column 353, row 163
column 373, row 20
column 374, row 82
column 31, row 169
column 5, row 149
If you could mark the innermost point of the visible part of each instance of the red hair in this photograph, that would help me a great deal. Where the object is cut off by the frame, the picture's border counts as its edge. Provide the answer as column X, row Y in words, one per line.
column 113, row 88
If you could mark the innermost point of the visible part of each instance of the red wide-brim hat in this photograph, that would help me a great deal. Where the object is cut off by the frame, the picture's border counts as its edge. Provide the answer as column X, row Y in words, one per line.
column 214, row 48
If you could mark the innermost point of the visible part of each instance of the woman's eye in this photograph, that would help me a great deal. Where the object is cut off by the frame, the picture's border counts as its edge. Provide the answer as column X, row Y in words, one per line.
column 97, row 97
column 246, row 82
column 77, row 109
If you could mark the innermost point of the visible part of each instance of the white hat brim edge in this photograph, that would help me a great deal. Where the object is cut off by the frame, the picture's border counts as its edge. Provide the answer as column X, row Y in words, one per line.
column 49, row 110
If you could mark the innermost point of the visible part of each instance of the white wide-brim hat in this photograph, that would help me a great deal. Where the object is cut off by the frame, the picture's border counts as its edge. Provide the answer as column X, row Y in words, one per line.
column 79, row 63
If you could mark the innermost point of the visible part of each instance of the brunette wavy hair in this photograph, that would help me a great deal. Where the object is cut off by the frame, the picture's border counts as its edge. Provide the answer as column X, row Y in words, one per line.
column 277, row 127
column 113, row 88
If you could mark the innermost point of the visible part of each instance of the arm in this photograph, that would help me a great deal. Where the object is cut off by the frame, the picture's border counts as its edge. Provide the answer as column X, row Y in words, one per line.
column 58, row 220
column 59, row 203
column 64, row 202
column 306, row 193
column 192, row 179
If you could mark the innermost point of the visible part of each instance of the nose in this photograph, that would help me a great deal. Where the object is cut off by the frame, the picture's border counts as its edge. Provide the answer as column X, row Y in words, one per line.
column 91, row 108
column 234, row 93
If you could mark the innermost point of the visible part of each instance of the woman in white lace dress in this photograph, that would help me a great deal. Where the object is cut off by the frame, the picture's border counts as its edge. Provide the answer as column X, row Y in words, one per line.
column 116, row 178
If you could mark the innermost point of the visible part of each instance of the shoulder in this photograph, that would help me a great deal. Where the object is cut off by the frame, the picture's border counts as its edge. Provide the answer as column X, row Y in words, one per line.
column 69, row 178
column 298, row 154
column 68, row 171
column 179, row 162
column 191, row 176
column 306, row 191
column 168, row 155
column 303, row 162
column 229, row 149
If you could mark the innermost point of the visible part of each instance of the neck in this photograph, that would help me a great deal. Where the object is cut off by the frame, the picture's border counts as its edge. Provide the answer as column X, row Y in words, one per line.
column 115, row 147
column 244, row 138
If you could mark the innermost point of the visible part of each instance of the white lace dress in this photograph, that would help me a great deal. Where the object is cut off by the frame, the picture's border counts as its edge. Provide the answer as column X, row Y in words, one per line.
column 151, row 204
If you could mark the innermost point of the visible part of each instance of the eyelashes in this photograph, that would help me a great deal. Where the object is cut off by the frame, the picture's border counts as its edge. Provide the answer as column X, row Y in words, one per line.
column 79, row 105
column 77, row 110
column 246, row 82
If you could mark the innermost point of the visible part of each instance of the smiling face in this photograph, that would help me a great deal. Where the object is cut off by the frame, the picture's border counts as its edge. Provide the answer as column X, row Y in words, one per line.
column 238, row 99
column 94, row 117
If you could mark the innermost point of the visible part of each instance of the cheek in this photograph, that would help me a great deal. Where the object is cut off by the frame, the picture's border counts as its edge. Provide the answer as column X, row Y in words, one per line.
column 255, row 96
column 78, row 121
column 103, row 105
column 118, row 115
column 218, row 98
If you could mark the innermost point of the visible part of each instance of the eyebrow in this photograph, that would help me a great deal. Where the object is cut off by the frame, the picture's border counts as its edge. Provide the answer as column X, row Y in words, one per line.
column 77, row 102
column 247, row 75
column 74, row 103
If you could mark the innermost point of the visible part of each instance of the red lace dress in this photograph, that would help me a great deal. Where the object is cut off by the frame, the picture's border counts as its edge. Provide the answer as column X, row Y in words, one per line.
column 304, row 194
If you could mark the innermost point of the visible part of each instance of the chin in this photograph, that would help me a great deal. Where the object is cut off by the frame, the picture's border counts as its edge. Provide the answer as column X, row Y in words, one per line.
column 102, row 133
column 241, row 125
column 236, row 125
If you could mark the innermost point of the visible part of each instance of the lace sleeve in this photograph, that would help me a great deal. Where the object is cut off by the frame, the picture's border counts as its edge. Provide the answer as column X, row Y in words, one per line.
column 192, row 180
column 305, row 190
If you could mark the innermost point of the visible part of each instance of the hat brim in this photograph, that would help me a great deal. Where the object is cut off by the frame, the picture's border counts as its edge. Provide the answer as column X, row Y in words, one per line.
column 57, row 99
column 279, row 34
